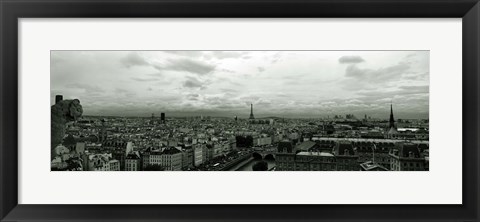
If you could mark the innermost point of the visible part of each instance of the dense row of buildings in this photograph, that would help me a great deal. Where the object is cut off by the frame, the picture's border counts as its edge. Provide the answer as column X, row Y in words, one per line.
column 390, row 151
column 349, row 154
column 201, row 143
column 181, row 156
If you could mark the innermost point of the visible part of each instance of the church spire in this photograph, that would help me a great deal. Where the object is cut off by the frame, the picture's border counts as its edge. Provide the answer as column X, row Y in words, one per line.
column 392, row 120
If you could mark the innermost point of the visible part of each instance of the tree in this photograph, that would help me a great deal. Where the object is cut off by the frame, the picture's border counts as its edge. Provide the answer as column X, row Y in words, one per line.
column 330, row 129
column 249, row 141
column 260, row 166
column 240, row 140
column 74, row 164
column 69, row 141
column 243, row 141
column 153, row 167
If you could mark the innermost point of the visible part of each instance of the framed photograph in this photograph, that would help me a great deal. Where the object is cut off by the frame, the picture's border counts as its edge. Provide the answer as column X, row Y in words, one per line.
column 225, row 110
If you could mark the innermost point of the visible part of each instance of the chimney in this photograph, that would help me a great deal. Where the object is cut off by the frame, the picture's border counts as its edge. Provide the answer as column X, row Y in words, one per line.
column 58, row 98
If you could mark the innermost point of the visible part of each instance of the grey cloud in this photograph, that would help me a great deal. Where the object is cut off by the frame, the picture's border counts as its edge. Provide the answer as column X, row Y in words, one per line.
column 261, row 69
column 144, row 79
column 181, row 64
column 227, row 106
column 366, row 87
column 186, row 53
column 134, row 59
column 158, row 74
column 216, row 100
column 417, row 76
column 193, row 83
column 414, row 89
column 119, row 91
column 402, row 91
column 187, row 65
column 351, row 59
column 250, row 99
column 227, row 70
column 376, row 75
column 86, row 87
column 227, row 54
column 228, row 90
column 193, row 96
column 276, row 58
column 281, row 94
column 264, row 102
column 55, row 59
column 411, row 55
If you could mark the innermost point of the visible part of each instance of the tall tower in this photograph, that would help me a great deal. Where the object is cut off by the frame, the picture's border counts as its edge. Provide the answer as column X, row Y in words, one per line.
column 251, row 112
column 392, row 120
column 162, row 117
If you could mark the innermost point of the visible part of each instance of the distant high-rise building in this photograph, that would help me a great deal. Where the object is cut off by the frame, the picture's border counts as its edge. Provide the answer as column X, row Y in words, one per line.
column 162, row 117
column 251, row 112
column 58, row 98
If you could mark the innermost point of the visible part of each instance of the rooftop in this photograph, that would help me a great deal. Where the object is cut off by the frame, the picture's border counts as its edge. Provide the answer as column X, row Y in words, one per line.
column 369, row 166
column 303, row 153
column 305, row 146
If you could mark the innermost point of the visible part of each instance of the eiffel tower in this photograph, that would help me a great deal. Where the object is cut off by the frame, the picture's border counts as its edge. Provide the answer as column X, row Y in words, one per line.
column 251, row 112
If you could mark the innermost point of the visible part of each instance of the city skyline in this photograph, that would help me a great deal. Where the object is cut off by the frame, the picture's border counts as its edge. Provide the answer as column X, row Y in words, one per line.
column 289, row 84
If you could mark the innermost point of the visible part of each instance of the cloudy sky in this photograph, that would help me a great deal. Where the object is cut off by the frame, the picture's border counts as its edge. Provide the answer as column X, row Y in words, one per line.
column 224, row 83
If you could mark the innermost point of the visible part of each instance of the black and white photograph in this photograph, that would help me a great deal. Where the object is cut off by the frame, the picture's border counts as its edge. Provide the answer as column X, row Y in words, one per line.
column 258, row 110
column 315, row 110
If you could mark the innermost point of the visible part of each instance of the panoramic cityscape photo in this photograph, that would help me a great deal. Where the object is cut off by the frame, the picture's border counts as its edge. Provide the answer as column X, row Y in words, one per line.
column 239, row 110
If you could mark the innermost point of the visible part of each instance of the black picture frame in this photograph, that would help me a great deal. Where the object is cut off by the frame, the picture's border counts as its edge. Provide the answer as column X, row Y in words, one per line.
column 12, row 10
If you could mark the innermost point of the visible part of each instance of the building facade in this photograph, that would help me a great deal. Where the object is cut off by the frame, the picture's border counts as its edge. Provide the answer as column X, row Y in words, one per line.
column 133, row 162
column 407, row 157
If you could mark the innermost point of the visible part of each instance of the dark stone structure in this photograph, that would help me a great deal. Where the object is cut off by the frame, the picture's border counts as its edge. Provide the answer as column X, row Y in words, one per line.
column 63, row 112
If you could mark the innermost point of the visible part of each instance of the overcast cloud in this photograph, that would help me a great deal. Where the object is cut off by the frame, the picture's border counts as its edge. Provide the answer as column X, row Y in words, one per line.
column 224, row 83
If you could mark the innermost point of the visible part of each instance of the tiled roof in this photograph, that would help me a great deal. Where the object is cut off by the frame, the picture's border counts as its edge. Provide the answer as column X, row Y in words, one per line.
column 315, row 154
column 305, row 146
column 171, row 150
